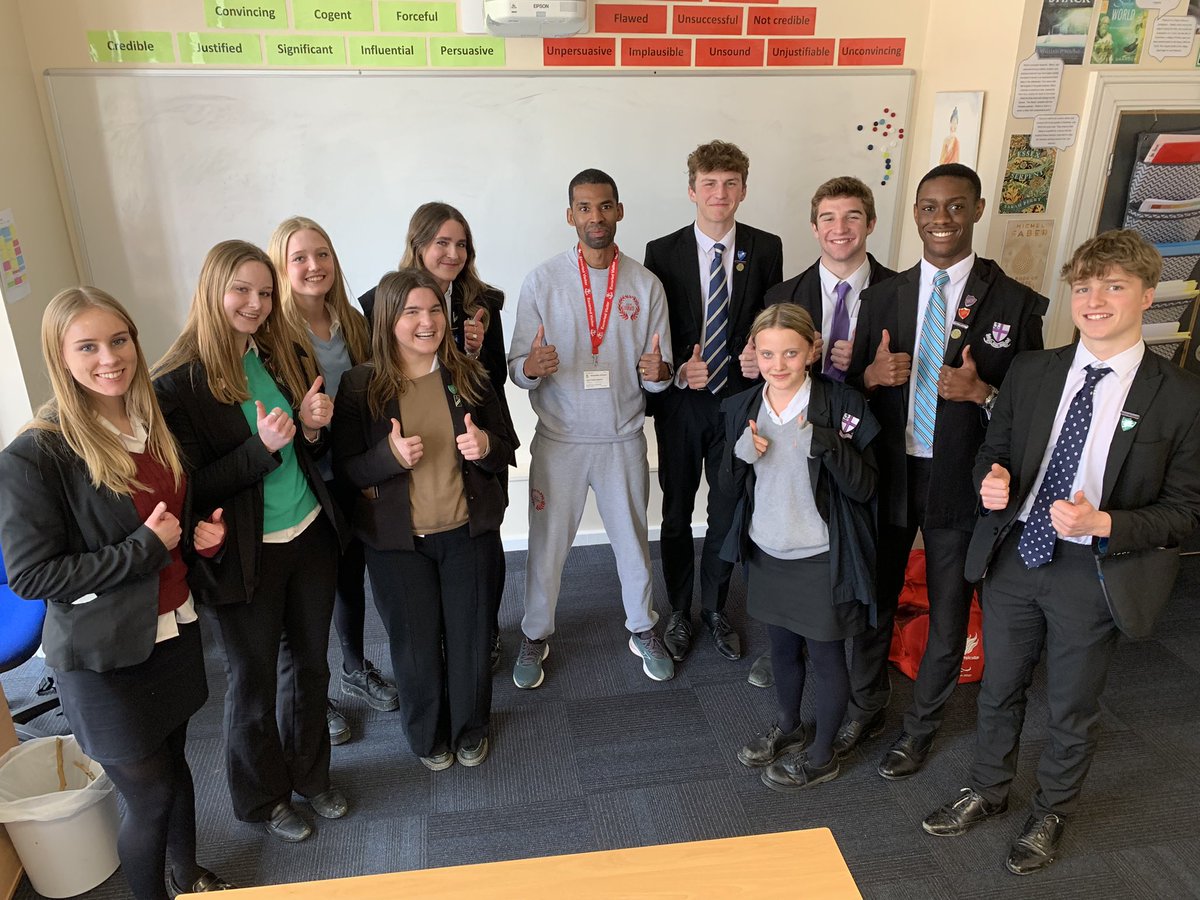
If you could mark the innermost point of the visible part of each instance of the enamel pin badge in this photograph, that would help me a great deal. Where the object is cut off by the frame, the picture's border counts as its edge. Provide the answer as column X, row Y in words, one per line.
column 1128, row 420
column 999, row 337
column 849, row 424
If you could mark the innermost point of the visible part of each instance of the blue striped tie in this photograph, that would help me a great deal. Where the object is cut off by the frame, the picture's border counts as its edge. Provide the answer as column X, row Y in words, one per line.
column 716, row 322
column 929, row 361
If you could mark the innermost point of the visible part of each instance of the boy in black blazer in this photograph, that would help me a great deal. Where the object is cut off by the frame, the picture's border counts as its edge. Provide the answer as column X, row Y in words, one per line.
column 715, row 273
column 933, row 346
column 1089, row 480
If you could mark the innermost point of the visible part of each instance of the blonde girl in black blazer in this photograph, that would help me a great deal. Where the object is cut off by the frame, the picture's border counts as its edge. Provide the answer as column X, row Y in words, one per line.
column 249, row 425
column 93, row 509
column 419, row 432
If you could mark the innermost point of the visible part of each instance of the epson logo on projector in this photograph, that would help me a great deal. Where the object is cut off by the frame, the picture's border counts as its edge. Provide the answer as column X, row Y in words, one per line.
column 535, row 18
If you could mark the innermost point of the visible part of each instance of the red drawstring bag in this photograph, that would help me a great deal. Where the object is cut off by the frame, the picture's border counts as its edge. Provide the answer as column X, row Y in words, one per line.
column 910, row 632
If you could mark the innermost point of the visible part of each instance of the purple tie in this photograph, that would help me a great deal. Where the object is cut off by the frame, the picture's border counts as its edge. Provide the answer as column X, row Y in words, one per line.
column 839, row 330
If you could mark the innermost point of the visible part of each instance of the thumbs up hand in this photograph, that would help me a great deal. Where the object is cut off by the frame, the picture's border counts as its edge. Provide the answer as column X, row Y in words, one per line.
column 963, row 382
column 1078, row 518
column 209, row 534
column 473, row 330
column 888, row 369
column 650, row 365
column 164, row 525
column 993, row 490
column 542, row 359
column 316, row 409
column 275, row 429
column 748, row 360
column 409, row 449
column 474, row 443
column 695, row 371
column 760, row 442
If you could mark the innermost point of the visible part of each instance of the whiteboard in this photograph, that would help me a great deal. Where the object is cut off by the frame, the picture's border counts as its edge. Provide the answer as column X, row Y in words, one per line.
column 159, row 166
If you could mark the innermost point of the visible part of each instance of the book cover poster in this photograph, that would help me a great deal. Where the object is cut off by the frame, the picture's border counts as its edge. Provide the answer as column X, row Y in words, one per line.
column 1063, row 30
column 1027, row 176
column 1027, row 251
column 1120, row 33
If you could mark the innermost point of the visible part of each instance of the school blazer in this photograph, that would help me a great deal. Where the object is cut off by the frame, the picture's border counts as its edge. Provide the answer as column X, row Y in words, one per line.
column 805, row 289
column 997, row 318
column 226, row 465
column 842, row 473
column 758, row 264
column 63, row 539
column 381, row 515
column 1151, row 477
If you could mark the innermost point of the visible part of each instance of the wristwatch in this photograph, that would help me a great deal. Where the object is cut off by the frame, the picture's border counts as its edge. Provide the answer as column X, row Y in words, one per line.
column 990, row 403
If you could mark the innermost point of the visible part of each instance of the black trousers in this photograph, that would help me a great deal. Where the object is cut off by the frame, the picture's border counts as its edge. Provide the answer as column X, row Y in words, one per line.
column 438, row 603
column 276, row 646
column 949, row 615
column 1059, row 606
column 691, row 441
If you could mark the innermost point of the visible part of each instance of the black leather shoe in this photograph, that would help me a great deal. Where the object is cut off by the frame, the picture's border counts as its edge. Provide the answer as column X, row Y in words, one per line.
column 961, row 814
column 854, row 732
column 207, row 881
column 330, row 804
column 795, row 773
column 904, row 758
column 729, row 645
column 339, row 728
column 762, row 672
column 678, row 636
column 1037, row 846
column 766, row 748
column 285, row 823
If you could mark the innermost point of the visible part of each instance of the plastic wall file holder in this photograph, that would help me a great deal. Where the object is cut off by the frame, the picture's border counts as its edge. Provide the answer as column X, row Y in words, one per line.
column 1180, row 268
column 1164, row 227
column 1168, row 311
column 1174, row 181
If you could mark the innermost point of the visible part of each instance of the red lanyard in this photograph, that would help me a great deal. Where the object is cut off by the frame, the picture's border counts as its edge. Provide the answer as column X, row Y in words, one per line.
column 597, row 332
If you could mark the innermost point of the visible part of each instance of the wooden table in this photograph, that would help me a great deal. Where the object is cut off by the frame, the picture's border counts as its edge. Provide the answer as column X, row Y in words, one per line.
column 789, row 864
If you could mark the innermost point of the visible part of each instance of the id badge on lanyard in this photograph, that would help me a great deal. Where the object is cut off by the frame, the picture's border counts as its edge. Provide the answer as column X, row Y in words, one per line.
column 597, row 378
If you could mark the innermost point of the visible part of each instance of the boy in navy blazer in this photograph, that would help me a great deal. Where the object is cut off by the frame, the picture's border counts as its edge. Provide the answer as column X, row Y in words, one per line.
column 715, row 273
column 1089, row 480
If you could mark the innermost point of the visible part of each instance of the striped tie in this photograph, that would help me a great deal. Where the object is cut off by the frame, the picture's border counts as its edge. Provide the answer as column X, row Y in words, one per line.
column 716, row 322
column 929, row 361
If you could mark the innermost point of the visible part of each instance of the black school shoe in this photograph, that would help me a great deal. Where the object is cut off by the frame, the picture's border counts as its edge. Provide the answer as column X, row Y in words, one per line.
column 795, row 773
column 208, row 881
column 766, row 748
column 1037, row 845
column 368, row 684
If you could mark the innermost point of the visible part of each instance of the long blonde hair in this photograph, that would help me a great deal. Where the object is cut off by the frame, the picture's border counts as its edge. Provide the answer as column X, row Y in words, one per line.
column 71, row 413
column 354, row 324
column 388, row 380
column 423, row 227
column 209, row 338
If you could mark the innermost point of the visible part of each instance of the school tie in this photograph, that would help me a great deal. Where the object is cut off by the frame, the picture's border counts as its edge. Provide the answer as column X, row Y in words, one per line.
column 716, row 322
column 929, row 361
column 1037, row 540
column 839, row 329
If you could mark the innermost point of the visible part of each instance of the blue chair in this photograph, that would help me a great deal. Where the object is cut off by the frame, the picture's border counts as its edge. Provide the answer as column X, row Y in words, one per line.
column 20, row 636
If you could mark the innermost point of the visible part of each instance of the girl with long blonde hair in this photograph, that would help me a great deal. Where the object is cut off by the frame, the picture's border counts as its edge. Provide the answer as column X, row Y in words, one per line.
column 234, row 393
column 95, row 520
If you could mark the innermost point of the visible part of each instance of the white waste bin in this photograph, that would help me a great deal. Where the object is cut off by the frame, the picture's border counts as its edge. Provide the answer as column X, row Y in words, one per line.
column 61, row 814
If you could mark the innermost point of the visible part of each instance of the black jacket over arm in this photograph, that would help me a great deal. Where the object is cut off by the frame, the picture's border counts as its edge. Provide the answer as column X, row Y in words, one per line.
column 363, row 458
column 1151, row 476
column 227, row 463
column 990, row 300
column 842, row 472
column 63, row 539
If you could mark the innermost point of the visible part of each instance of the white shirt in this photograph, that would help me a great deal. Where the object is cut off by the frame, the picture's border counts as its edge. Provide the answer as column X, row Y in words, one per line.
column 168, row 623
column 1108, row 402
column 704, row 260
column 958, row 278
column 796, row 406
column 857, row 281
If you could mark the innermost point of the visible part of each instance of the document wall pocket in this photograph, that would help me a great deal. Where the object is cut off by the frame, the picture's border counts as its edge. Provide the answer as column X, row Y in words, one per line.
column 1164, row 227
column 1168, row 181
column 1180, row 268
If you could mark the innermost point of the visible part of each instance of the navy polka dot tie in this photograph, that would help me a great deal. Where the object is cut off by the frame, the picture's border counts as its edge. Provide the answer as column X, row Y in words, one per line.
column 1037, row 541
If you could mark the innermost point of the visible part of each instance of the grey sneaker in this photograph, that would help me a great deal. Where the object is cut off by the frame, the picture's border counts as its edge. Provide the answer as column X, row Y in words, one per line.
column 527, row 672
column 438, row 761
column 473, row 756
column 656, row 662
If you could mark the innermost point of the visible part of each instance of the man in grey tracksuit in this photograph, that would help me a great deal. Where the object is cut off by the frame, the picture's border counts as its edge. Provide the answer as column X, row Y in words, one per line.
column 591, row 333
